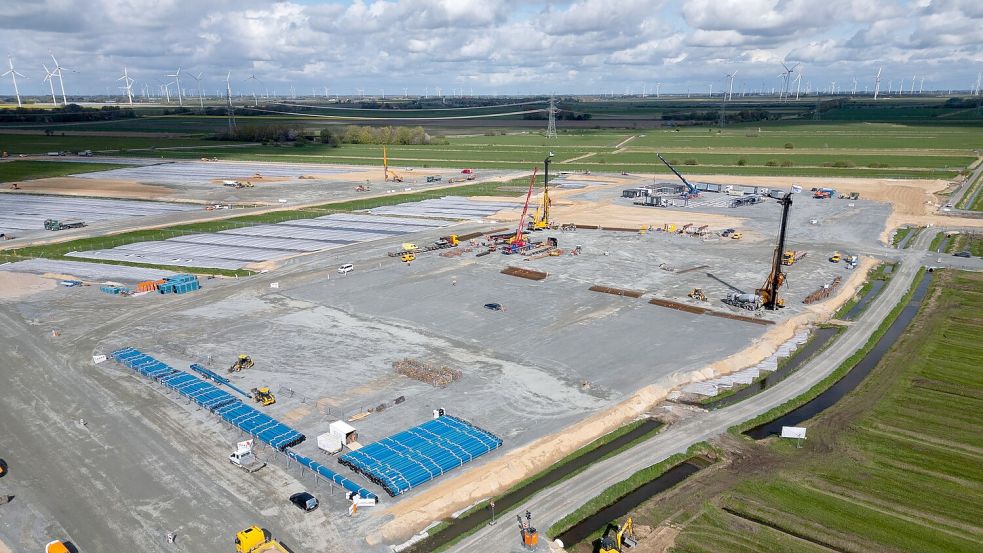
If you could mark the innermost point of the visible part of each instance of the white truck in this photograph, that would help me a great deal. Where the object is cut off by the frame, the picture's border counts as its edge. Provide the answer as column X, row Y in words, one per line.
column 243, row 457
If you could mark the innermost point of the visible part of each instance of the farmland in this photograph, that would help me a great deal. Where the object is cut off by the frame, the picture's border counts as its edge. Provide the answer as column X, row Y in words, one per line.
column 888, row 468
column 29, row 169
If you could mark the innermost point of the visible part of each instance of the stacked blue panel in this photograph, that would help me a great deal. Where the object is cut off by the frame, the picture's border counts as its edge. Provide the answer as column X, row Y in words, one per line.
column 259, row 425
column 331, row 475
column 179, row 284
column 420, row 454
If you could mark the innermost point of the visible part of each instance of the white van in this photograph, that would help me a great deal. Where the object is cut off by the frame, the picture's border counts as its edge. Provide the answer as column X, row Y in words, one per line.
column 346, row 268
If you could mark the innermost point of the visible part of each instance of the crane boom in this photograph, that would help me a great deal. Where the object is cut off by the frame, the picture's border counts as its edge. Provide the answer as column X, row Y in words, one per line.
column 769, row 292
column 691, row 191
column 525, row 208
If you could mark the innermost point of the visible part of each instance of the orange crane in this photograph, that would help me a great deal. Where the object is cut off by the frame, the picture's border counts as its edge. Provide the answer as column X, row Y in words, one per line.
column 389, row 175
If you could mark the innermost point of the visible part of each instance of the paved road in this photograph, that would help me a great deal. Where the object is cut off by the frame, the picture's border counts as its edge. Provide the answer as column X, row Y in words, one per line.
column 552, row 504
column 964, row 189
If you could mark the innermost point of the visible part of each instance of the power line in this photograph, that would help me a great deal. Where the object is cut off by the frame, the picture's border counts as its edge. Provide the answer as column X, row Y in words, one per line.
column 357, row 118
column 410, row 110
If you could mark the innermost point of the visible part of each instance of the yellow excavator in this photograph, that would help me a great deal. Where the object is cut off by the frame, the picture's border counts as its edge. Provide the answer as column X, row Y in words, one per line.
column 624, row 538
column 257, row 540
column 243, row 362
column 263, row 396
column 389, row 174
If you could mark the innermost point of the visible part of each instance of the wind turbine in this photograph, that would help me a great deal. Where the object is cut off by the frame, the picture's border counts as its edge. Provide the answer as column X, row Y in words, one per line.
column 197, row 78
column 730, row 91
column 177, row 82
column 252, row 77
column 854, row 88
column 59, row 72
column 911, row 91
column 51, row 82
column 167, row 90
column 13, row 76
column 877, row 82
column 798, row 84
column 788, row 77
column 127, row 85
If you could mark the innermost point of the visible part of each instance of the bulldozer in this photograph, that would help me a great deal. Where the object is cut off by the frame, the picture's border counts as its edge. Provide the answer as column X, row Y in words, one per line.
column 697, row 294
column 243, row 362
column 624, row 538
column 263, row 396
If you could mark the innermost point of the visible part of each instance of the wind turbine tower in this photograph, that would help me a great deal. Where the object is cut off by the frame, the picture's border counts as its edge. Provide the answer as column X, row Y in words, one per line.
column 197, row 78
column 877, row 82
column 127, row 85
column 49, row 76
column 59, row 72
column 730, row 90
column 232, row 111
column 854, row 88
column 13, row 76
column 177, row 81
column 798, row 84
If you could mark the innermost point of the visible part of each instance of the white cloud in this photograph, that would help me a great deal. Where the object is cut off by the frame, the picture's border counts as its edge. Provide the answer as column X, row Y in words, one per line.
column 529, row 46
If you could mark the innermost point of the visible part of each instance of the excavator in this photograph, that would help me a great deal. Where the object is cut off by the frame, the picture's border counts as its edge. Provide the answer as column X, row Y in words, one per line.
column 624, row 538
column 263, row 396
column 389, row 174
column 243, row 362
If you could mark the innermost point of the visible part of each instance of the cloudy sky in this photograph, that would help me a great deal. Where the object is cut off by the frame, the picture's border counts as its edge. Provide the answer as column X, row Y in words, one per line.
column 494, row 46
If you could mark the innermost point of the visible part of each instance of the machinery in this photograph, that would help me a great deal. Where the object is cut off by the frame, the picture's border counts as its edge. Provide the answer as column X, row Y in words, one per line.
column 529, row 535
column 55, row 224
column 444, row 242
column 624, row 538
column 791, row 256
column 541, row 219
column 691, row 191
column 518, row 241
column 389, row 175
column 835, row 258
column 769, row 292
column 407, row 257
column 243, row 362
column 697, row 294
column 243, row 457
column 736, row 235
column 263, row 396
column 257, row 540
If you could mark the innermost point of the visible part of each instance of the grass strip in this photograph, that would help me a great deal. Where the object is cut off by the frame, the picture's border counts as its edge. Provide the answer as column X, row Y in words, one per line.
column 28, row 169
column 939, row 237
column 839, row 372
column 623, row 488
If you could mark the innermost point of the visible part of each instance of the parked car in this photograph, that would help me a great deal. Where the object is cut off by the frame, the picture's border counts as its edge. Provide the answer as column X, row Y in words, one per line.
column 304, row 500
column 493, row 306
column 346, row 268
column 963, row 254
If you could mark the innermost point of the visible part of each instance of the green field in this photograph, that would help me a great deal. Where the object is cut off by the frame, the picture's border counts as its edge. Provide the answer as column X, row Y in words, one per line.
column 12, row 171
column 40, row 144
column 895, row 466
column 973, row 243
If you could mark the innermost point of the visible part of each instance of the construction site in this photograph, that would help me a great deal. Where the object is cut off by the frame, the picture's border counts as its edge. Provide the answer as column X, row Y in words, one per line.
column 406, row 361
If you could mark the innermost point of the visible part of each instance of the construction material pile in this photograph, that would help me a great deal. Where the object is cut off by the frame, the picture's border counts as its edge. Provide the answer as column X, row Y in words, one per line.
column 823, row 292
column 426, row 372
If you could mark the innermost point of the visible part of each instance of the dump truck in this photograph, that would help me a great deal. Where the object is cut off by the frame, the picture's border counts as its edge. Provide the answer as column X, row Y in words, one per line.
column 63, row 224
column 257, row 540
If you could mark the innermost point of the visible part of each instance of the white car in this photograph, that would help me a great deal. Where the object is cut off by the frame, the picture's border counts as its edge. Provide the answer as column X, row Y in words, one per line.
column 346, row 268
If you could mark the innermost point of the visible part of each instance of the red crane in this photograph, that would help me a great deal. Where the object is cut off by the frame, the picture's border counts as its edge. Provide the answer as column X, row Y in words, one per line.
column 518, row 241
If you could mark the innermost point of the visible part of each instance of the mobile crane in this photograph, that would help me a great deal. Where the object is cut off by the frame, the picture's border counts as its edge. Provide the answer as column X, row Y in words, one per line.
column 389, row 174
column 518, row 241
column 767, row 295
column 691, row 191
column 541, row 218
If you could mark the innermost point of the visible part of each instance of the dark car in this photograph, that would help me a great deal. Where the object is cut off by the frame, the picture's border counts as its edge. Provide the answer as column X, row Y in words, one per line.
column 963, row 254
column 493, row 306
column 304, row 501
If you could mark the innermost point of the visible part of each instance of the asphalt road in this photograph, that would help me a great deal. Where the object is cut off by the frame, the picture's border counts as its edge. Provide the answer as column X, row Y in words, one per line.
column 550, row 505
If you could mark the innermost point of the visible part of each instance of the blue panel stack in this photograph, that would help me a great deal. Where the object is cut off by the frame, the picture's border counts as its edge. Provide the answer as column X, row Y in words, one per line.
column 420, row 454
column 259, row 425
column 331, row 475
column 179, row 284
column 114, row 289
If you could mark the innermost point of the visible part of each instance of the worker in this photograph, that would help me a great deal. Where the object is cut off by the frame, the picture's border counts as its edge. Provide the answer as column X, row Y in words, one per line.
column 454, row 281
column 81, row 422
column 171, row 536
